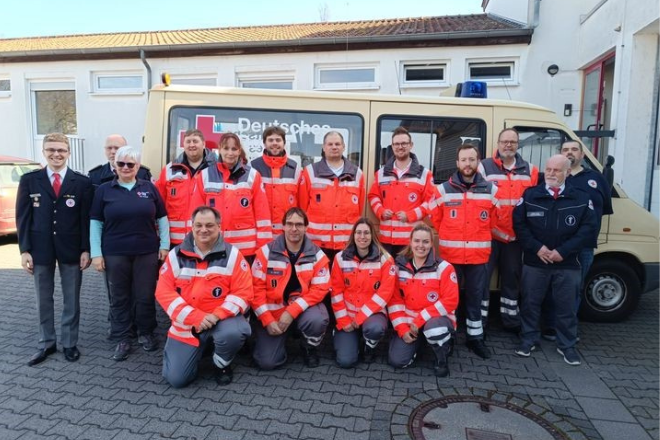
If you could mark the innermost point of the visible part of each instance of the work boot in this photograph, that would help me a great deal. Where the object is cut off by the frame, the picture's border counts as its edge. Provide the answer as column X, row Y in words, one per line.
column 479, row 348
column 224, row 376
column 440, row 368
column 310, row 357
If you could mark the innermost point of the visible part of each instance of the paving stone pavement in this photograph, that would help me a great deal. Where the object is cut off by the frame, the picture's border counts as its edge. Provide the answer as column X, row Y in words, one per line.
column 613, row 395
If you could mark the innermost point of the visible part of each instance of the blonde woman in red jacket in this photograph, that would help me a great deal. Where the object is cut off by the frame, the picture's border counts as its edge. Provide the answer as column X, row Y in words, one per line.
column 423, row 306
column 362, row 284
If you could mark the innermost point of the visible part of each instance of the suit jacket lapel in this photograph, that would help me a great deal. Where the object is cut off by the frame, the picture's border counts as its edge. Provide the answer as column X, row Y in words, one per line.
column 69, row 178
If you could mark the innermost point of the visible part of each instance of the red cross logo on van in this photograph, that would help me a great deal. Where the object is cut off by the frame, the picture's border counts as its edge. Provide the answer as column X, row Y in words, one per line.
column 207, row 125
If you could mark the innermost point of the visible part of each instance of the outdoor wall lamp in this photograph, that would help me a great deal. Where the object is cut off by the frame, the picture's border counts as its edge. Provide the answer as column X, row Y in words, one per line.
column 553, row 69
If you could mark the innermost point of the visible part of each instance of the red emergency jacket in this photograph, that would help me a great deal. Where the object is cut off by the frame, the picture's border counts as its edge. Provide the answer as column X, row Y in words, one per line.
column 239, row 196
column 271, row 271
column 281, row 177
column 430, row 292
column 333, row 204
column 361, row 288
column 511, row 184
column 464, row 219
column 410, row 194
column 176, row 186
column 190, row 287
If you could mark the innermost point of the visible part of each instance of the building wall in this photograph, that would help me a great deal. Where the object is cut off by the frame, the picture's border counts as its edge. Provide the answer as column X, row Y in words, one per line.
column 102, row 114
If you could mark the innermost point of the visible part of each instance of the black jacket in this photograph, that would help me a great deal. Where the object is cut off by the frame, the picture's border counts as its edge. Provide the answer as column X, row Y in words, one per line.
column 53, row 228
column 566, row 224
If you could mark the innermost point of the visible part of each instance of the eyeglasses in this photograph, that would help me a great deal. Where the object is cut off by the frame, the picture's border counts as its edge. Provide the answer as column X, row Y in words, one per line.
column 400, row 144
column 362, row 232
column 508, row 142
column 130, row 165
column 54, row 150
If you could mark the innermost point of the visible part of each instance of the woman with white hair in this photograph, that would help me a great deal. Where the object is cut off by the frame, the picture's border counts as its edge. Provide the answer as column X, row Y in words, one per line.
column 129, row 233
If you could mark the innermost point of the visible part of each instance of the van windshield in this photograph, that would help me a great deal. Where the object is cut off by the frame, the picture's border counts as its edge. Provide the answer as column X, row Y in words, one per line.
column 304, row 138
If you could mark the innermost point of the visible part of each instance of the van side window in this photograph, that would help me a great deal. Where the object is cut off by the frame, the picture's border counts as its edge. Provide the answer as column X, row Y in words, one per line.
column 435, row 140
column 305, row 130
column 538, row 144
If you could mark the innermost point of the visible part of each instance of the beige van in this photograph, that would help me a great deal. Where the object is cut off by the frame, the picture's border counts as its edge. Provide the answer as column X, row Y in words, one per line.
column 626, row 261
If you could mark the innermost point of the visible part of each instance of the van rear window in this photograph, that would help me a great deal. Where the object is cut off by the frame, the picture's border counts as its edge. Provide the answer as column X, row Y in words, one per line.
column 305, row 130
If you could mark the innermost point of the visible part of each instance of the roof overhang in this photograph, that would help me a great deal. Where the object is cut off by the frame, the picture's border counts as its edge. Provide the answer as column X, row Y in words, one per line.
column 445, row 39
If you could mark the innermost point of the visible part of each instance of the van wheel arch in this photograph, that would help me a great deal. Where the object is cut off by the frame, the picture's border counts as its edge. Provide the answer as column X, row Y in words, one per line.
column 612, row 289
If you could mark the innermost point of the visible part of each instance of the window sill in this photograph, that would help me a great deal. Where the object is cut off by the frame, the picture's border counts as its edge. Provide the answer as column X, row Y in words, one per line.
column 118, row 93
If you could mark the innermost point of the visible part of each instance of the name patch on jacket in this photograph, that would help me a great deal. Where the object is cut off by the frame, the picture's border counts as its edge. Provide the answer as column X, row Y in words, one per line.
column 536, row 214
column 455, row 203
column 274, row 272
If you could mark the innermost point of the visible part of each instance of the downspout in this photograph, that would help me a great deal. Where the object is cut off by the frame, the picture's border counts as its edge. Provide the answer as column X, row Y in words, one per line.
column 143, row 57
column 537, row 14
column 655, row 129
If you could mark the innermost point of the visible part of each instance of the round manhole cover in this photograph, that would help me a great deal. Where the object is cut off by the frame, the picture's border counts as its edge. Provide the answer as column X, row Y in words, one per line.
column 478, row 418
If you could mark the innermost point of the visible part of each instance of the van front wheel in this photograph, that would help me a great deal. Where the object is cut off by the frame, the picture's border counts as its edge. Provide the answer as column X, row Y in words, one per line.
column 612, row 291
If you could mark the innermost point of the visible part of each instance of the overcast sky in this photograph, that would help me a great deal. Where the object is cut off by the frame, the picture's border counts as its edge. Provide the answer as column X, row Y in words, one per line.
column 26, row 18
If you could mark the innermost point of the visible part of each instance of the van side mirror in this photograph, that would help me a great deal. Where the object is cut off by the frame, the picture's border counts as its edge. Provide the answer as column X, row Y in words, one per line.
column 608, row 172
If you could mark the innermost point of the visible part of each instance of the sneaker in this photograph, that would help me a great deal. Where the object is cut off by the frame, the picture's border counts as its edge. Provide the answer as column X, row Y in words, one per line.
column 148, row 342
column 224, row 376
column 122, row 351
column 524, row 350
column 479, row 348
column 570, row 356
column 549, row 334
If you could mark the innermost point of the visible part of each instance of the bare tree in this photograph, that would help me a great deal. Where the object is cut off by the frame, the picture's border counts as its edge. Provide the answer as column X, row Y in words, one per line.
column 324, row 12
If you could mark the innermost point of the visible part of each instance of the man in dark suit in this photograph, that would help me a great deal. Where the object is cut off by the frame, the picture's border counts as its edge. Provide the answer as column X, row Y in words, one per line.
column 52, row 216
column 106, row 172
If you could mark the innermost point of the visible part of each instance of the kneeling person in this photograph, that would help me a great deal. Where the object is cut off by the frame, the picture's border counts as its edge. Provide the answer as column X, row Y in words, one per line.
column 205, row 287
column 291, row 277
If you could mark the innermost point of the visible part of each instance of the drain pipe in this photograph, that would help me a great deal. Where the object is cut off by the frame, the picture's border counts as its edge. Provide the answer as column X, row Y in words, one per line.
column 143, row 57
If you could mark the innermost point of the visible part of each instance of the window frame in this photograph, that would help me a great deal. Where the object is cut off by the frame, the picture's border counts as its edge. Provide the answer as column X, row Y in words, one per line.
column 251, row 74
column 419, row 64
column 96, row 76
column 357, row 85
column 5, row 93
column 490, row 62
column 176, row 77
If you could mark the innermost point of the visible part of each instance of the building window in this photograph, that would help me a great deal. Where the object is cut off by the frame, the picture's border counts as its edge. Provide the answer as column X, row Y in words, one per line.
column 423, row 74
column 265, row 77
column 345, row 77
column 194, row 80
column 55, row 111
column 117, row 83
column 492, row 71
column 5, row 85
column 278, row 85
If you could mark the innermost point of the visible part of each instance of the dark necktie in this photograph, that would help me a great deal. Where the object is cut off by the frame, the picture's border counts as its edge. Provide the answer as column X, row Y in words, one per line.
column 57, row 183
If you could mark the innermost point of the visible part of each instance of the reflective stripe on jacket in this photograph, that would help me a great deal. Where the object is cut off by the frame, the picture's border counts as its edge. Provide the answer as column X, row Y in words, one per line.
column 271, row 271
column 511, row 184
column 333, row 204
column 361, row 288
column 240, row 198
column 430, row 292
column 176, row 186
column 281, row 177
column 411, row 194
column 190, row 287
column 464, row 219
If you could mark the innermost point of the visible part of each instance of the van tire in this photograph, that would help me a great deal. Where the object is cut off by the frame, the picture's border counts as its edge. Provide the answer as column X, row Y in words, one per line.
column 612, row 291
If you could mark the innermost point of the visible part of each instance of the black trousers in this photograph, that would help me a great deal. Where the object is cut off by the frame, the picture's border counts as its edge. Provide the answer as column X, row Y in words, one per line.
column 132, row 280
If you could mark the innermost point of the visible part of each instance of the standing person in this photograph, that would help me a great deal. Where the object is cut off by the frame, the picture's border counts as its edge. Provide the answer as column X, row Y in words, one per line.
column 235, row 189
column 176, row 183
column 362, row 285
column 600, row 194
column 206, row 307
column 464, row 213
column 280, row 174
column 553, row 222
column 291, row 277
column 332, row 194
column 52, row 218
column 426, row 299
column 126, row 243
column 108, row 171
column 512, row 175
column 400, row 193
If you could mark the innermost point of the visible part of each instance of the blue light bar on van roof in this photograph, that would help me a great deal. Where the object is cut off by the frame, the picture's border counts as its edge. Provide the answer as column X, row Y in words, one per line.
column 474, row 89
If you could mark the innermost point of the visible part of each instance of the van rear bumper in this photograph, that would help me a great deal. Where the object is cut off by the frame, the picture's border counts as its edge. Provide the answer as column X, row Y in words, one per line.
column 651, row 277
